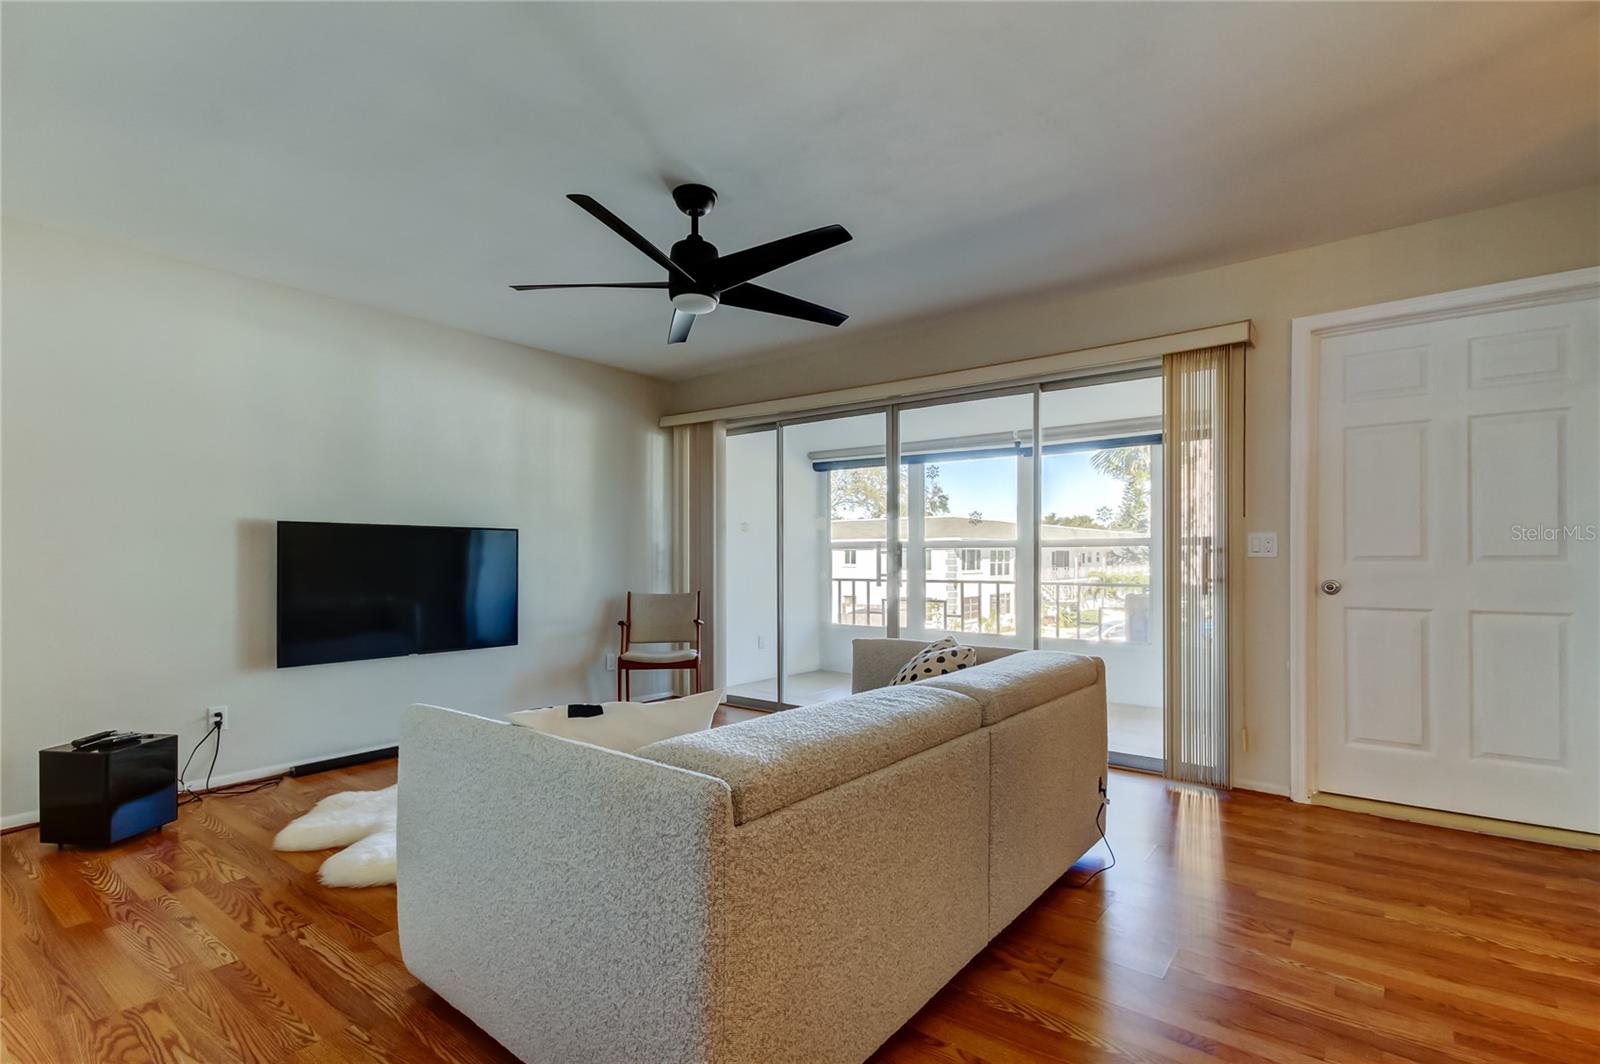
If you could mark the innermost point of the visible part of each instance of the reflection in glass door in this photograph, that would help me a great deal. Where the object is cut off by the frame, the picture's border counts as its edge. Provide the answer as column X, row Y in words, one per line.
column 1100, row 562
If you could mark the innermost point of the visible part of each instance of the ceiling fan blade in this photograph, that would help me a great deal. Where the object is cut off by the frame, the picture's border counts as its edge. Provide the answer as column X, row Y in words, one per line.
column 679, row 332
column 626, row 232
column 751, row 263
column 625, row 284
column 754, row 297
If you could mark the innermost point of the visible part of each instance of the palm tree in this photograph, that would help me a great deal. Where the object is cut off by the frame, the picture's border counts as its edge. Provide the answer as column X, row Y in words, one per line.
column 1131, row 465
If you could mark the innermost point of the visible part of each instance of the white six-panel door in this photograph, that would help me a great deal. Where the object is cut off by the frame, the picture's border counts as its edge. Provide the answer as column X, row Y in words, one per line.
column 1457, row 612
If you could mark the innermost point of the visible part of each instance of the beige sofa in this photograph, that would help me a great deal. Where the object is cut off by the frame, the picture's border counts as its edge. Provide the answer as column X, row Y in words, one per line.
column 786, row 889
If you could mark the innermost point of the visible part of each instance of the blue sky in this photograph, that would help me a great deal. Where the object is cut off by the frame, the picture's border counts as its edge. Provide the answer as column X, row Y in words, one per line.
column 1071, row 486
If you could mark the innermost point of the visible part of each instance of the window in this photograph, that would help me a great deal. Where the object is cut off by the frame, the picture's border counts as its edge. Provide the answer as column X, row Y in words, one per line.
column 1060, row 559
column 970, row 560
column 999, row 563
column 849, row 557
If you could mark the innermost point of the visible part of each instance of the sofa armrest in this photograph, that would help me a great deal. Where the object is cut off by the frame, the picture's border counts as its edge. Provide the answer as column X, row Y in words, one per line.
column 874, row 662
column 540, row 877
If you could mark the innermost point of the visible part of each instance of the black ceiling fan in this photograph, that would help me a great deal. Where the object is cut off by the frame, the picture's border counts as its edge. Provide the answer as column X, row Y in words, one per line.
column 699, row 280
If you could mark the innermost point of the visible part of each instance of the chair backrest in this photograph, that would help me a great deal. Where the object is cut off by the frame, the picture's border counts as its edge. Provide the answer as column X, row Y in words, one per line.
column 663, row 618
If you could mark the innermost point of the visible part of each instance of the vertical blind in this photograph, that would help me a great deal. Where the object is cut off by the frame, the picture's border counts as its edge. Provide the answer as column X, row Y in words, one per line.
column 1196, row 430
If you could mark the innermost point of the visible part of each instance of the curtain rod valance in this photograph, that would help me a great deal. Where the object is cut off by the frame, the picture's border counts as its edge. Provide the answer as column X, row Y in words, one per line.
column 1067, row 363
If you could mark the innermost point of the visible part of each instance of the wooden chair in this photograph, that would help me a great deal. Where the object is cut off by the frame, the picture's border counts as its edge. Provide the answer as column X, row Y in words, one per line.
column 659, row 619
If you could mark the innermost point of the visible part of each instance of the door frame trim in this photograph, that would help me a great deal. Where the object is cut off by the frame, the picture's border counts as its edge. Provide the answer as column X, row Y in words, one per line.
column 1306, row 335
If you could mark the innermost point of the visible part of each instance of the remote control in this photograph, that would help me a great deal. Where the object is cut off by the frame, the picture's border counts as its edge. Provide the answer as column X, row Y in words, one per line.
column 112, row 741
column 90, row 740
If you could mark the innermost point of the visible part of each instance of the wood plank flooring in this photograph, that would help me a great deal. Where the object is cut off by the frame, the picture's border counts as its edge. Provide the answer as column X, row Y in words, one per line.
column 1234, row 927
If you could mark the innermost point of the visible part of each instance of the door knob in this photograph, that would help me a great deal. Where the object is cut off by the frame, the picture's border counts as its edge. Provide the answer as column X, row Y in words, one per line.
column 1331, row 587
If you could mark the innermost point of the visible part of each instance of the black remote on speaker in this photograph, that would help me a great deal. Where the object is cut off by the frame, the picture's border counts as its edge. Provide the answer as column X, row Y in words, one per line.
column 90, row 740
column 110, row 741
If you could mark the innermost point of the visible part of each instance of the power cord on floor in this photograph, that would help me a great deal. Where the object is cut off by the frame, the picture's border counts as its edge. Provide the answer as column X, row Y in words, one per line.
column 188, row 795
column 1099, row 822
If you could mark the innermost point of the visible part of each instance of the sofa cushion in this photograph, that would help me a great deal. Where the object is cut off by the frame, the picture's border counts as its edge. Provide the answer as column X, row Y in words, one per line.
column 1009, row 685
column 777, row 760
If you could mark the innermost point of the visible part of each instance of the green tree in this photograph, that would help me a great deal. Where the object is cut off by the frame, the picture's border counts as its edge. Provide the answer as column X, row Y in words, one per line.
column 863, row 494
column 1071, row 520
column 934, row 499
column 1131, row 465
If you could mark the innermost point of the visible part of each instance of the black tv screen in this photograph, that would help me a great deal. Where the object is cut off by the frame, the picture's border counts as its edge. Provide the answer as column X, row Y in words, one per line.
column 350, row 592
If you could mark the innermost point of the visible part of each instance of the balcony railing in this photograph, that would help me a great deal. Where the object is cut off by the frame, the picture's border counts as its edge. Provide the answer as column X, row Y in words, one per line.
column 947, row 612
column 1086, row 610
column 1106, row 618
column 862, row 602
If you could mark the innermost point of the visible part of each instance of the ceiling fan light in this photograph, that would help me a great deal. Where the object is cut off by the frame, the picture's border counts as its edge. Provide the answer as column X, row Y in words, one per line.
column 694, row 302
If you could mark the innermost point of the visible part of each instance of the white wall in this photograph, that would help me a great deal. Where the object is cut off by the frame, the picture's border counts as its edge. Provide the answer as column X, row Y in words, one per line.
column 158, row 417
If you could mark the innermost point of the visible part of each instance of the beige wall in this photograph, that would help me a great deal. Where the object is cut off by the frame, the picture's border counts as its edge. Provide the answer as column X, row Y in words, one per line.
column 1531, row 237
column 158, row 417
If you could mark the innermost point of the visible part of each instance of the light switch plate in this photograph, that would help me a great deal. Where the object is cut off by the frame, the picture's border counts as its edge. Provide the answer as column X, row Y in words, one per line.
column 1262, row 545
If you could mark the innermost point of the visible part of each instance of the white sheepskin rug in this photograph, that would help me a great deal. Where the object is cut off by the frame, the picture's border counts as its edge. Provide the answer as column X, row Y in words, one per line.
column 360, row 821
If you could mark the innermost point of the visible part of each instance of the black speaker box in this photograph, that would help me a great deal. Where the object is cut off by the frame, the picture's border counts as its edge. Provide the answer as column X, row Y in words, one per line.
column 99, row 797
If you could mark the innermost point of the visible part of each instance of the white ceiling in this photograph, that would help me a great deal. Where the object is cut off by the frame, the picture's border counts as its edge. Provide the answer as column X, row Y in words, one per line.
column 415, row 156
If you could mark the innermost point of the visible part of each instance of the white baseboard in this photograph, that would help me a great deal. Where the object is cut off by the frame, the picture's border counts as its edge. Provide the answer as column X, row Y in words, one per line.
column 19, row 820
column 1280, row 789
column 31, row 817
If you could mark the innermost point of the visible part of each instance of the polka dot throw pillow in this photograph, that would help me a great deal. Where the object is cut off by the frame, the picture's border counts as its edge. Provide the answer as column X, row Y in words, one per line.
column 937, row 659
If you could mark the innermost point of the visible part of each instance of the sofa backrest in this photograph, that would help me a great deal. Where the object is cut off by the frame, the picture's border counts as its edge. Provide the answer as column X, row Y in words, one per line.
column 1010, row 685
column 783, row 758
column 875, row 662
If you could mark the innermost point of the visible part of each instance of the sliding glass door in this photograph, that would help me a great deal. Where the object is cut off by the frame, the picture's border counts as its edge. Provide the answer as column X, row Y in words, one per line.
column 1100, row 561
column 748, row 643
column 973, row 531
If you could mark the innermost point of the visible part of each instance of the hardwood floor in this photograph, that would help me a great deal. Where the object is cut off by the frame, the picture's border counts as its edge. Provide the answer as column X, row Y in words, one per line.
column 1234, row 927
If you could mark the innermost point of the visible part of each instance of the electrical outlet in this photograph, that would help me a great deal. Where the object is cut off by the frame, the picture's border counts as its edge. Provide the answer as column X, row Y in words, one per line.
column 611, row 662
column 1262, row 545
column 217, row 716
column 761, row 642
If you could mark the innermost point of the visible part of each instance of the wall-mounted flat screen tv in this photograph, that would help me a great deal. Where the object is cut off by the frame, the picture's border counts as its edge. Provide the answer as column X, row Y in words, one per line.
column 349, row 592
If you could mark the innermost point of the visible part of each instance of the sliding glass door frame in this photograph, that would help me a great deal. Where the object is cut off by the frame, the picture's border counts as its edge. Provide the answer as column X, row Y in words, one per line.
column 895, row 548
column 777, row 567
